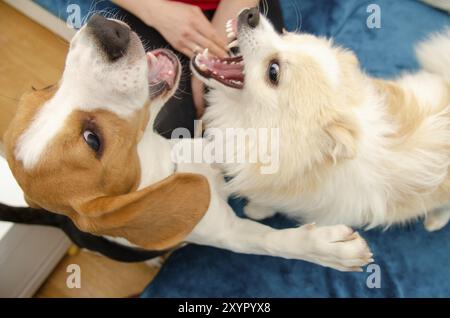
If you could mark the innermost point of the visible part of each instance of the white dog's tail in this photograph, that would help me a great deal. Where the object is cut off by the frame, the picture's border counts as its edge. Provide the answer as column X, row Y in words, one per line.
column 434, row 54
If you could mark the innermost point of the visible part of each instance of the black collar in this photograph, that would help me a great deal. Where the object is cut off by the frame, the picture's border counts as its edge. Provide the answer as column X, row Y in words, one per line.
column 82, row 239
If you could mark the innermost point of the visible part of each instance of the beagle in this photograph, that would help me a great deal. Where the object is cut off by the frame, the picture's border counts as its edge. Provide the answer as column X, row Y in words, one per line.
column 86, row 148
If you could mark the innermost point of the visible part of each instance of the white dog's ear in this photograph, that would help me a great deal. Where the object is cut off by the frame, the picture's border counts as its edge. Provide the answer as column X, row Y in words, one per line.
column 343, row 140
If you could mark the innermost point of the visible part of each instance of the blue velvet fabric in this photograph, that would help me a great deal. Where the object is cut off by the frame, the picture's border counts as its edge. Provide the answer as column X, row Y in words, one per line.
column 412, row 262
column 59, row 7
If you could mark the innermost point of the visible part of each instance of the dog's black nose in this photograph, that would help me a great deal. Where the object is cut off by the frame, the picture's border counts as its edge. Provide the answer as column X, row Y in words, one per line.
column 113, row 36
column 250, row 16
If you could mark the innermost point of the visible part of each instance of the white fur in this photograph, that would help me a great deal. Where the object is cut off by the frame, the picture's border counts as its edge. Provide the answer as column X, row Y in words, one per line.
column 155, row 165
column 357, row 192
column 47, row 123
column 434, row 53
column 426, row 87
column 326, row 60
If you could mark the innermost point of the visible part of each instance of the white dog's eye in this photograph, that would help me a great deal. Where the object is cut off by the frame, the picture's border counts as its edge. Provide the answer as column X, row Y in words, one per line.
column 92, row 140
column 273, row 72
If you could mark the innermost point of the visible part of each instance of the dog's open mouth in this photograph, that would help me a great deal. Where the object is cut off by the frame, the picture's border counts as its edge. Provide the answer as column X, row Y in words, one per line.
column 162, row 71
column 228, row 71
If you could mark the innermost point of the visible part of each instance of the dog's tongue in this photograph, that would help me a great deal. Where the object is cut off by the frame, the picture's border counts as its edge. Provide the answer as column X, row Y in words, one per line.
column 230, row 70
column 160, row 69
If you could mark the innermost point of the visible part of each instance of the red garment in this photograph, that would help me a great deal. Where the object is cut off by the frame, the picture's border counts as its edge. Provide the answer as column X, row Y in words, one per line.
column 203, row 4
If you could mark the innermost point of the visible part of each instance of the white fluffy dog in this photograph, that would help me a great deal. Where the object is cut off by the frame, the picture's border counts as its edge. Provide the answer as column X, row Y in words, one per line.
column 353, row 149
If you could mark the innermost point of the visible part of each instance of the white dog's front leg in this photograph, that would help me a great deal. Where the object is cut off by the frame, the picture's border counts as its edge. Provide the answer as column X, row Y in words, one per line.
column 337, row 246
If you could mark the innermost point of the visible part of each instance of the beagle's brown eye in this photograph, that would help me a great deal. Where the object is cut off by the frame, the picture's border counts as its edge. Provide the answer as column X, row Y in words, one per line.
column 273, row 72
column 92, row 140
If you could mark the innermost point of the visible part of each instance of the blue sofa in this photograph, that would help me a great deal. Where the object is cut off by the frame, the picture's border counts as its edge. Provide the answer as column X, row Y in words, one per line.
column 409, row 262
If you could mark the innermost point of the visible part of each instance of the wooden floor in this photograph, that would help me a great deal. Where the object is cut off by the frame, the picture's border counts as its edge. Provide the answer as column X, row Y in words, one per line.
column 32, row 56
column 100, row 277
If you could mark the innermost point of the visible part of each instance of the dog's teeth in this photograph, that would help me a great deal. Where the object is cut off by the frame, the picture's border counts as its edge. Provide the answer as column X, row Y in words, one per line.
column 229, row 23
column 203, row 67
column 231, row 35
column 205, row 53
column 229, row 29
column 153, row 58
column 233, row 44
column 222, row 77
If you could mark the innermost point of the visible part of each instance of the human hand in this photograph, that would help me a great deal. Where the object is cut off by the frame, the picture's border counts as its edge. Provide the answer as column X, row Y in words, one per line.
column 186, row 28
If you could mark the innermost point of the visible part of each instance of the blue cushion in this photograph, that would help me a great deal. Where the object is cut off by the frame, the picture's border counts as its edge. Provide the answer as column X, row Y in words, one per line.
column 412, row 262
column 87, row 7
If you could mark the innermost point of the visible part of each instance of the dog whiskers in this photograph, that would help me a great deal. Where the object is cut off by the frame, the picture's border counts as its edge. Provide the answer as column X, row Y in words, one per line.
column 265, row 7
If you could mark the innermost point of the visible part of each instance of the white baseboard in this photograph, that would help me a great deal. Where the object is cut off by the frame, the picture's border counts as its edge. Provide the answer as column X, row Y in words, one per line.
column 43, row 17
column 28, row 253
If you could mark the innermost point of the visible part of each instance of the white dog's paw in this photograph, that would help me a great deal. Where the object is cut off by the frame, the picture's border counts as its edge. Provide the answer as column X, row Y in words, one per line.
column 437, row 220
column 337, row 246
column 257, row 212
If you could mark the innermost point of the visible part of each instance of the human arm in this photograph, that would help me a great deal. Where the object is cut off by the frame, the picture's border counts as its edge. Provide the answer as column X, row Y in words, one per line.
column 184, row 26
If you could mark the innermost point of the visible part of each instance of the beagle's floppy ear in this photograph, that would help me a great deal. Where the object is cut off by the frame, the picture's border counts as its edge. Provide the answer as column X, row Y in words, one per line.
column 157, row 217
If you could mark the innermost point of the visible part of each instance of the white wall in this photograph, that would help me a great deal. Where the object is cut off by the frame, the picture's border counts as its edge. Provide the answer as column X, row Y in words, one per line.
column 27, row 253
column 10, row 192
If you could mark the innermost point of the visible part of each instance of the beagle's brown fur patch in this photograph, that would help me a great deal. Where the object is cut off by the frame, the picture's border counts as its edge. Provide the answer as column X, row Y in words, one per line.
column 99, row 192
